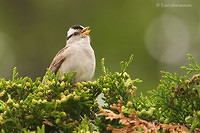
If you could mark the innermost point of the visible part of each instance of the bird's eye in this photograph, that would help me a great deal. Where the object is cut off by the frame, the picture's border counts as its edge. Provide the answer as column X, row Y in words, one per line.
column 74, row 34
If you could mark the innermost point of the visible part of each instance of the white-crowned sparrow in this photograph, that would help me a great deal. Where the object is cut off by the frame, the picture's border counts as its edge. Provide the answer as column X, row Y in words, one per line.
column 77, row 55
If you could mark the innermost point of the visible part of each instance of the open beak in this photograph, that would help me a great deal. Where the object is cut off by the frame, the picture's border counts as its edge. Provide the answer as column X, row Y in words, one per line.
column 85, row 31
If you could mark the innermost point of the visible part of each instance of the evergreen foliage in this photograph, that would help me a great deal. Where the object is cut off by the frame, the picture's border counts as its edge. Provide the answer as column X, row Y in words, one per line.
column 60, row 106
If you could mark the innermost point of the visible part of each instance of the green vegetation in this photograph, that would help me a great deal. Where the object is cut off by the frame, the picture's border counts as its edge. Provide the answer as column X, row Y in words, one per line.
column 60, row 106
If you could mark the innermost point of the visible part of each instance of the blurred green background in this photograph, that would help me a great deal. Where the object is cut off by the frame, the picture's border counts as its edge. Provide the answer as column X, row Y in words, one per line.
column 159, row 33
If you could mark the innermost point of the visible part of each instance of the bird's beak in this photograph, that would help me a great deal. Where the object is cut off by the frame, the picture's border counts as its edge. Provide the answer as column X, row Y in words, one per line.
column 85, row 31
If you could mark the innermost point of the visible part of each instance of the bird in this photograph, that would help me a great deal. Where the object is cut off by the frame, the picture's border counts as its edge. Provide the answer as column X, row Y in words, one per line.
column 77, row 56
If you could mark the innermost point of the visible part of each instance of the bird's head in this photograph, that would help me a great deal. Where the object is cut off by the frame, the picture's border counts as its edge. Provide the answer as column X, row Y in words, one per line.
column 77, row 32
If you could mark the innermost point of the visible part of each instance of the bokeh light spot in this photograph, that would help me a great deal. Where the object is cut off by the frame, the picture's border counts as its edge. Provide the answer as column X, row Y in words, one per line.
column 167, row 39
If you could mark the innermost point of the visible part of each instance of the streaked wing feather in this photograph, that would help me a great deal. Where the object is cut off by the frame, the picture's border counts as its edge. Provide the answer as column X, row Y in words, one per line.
column 57, row 61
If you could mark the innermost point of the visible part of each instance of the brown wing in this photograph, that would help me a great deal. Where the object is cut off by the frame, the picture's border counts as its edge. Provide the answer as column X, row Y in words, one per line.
column 57, row 61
